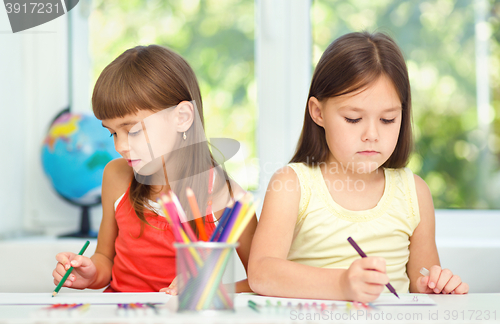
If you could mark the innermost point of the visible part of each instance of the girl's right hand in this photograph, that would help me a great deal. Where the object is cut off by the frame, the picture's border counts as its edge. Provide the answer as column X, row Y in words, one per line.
column 83, row 274
column 364, row 280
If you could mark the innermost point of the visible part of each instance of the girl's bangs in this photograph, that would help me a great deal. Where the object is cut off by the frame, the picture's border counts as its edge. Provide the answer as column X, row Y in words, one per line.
column 361, row 82
column 116, row 97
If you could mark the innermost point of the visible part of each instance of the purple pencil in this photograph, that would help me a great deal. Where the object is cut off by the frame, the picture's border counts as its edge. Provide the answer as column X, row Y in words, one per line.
column 363, row 255
column 230, row 223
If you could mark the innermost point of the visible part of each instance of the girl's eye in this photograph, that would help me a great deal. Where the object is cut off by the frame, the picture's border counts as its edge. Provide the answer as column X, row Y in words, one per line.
column 388, row 121
column 352, row 121
column 134, row 133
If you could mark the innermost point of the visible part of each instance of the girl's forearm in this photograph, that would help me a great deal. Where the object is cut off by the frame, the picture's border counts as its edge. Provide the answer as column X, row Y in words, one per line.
column 103, row 274
column 283, row 278
column 242, row 286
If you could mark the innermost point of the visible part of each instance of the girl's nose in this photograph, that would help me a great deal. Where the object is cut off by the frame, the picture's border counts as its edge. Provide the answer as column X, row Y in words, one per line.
column 121, row 145
column 371, row 133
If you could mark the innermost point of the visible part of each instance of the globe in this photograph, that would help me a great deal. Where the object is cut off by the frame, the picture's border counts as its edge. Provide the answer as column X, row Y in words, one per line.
column 74, row 154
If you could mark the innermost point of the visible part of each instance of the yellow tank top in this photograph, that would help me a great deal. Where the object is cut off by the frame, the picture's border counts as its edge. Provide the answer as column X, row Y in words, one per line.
column 323, row 226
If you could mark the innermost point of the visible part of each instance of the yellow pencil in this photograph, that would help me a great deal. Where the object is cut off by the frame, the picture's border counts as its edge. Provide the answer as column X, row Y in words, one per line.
column 235, row 235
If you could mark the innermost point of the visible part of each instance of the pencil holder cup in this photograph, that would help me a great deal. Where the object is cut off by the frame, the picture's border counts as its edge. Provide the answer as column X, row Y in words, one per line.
column 201, row 268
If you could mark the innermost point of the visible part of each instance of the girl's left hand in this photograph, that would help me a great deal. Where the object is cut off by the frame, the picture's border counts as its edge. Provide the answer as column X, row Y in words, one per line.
column 172, row 289
column 441, row 281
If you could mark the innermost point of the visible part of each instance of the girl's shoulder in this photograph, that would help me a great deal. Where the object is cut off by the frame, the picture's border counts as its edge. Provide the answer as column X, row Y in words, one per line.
column 422, row 189
column 289, row 172
column 420, row 184
column 423, row 207
column 286, row 182
column 116, row 178
column 418, row 187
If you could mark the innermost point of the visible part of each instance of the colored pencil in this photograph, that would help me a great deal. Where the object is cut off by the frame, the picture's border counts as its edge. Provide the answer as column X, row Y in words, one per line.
column 210, row 288
column 233, row 238
column 66, row 275
column 216, row 276
column 363, row 255
column 253, row 305
column 203, row 272
column 180, row 236
column 222, row 223
column 195, row 261
column 163, row 200
column 226, row 230
column 196, row 214
column 169, row 206
column 182, row 217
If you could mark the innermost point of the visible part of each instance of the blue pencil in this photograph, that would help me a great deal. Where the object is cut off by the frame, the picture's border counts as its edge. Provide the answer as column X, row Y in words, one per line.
column 230, row 222
column 222, row 223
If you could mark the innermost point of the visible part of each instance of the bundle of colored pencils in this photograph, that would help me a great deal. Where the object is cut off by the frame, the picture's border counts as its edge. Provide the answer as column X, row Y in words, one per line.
column 200, row 266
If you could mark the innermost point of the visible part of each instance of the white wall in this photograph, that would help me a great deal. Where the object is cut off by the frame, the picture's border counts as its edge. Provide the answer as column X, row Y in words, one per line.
column 34, row 262
column 33, row 89
column 12, row 130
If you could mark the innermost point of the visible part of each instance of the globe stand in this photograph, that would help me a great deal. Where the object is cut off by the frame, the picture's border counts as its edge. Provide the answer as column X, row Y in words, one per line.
column 85, row 231
column 85, row 228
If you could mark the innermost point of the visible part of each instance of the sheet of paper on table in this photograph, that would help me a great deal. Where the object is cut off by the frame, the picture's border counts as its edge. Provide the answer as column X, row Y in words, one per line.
column 87, row 298
column 162, row 298
column 404, row 300
column 387, row 299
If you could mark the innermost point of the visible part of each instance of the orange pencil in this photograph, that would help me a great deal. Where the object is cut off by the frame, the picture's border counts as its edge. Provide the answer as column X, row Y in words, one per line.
column 196, row 214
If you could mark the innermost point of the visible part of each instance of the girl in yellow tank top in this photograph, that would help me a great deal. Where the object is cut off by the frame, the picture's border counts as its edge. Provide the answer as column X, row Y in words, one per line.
column 348, row 179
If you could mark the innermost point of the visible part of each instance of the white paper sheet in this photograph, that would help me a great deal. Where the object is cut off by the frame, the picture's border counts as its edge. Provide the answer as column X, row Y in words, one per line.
column 86, row 298
column 404, row 300
column 386, row 299
column 162, row 298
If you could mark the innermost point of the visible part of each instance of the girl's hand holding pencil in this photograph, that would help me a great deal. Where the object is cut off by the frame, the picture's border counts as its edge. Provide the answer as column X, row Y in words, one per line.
column 83, row 274
column 361, row 283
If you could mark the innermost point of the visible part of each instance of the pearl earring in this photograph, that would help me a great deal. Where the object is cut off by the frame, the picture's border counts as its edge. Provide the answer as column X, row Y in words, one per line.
column 184, row 136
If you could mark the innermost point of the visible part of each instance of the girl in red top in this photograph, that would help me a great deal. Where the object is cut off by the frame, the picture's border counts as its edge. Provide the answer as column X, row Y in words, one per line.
column 149, row 100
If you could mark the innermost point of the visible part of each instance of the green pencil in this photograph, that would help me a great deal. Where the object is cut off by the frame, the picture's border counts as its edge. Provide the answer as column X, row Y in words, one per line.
column 253, row 305
column 63, row 280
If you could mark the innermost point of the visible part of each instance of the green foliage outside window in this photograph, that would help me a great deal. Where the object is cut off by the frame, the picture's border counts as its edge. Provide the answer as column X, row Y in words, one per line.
column 216, row 37
column 457, row 159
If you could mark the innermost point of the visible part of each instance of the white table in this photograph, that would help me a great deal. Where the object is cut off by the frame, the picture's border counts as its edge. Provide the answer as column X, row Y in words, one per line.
column 471, row 308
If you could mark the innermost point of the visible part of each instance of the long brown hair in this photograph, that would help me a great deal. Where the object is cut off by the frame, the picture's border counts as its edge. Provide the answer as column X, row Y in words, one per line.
column 350, row 63
column 156, row 78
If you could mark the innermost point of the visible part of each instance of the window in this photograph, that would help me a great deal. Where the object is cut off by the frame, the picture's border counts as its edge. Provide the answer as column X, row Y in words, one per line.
column 446, row 46
column 217, row 40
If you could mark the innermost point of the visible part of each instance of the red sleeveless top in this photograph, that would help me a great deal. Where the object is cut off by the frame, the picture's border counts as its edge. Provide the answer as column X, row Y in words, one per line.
column 144, row 263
